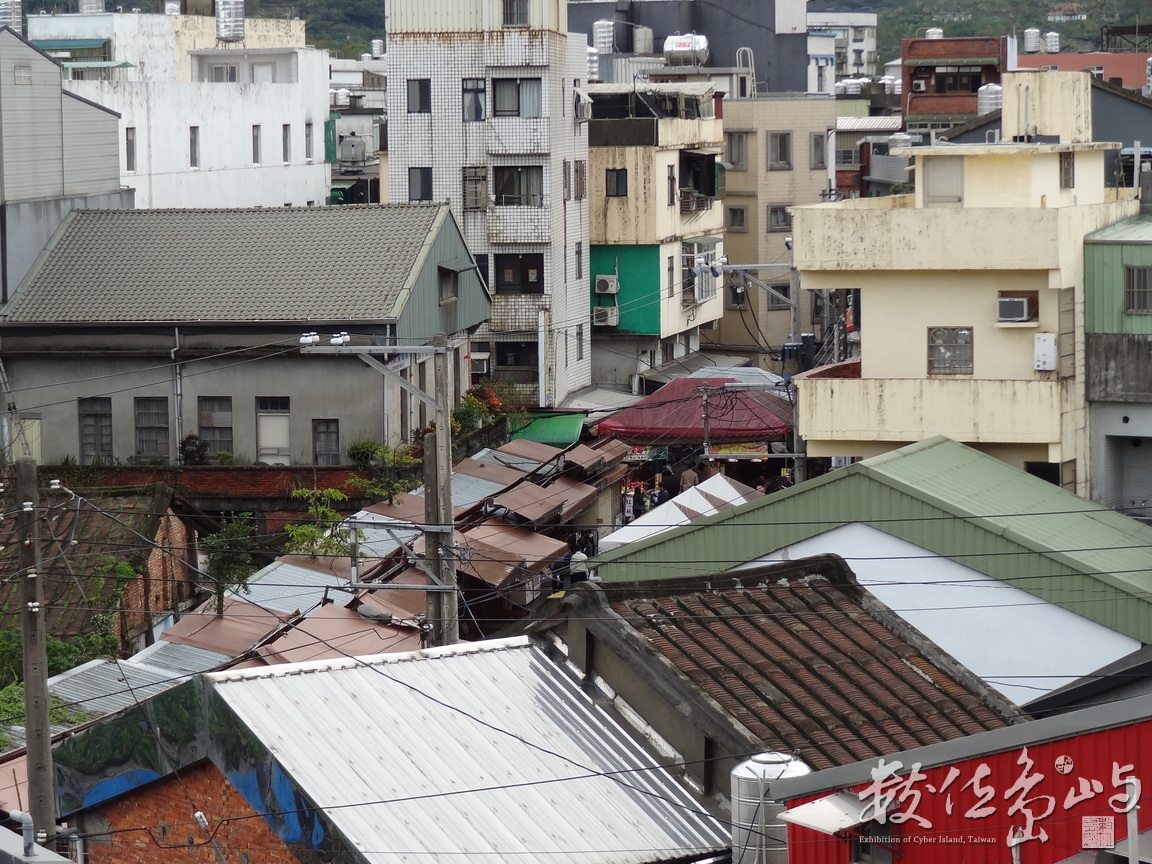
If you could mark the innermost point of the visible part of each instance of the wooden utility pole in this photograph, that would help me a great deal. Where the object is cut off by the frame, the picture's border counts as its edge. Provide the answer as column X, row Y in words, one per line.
column 33, row 637
column 443, row 614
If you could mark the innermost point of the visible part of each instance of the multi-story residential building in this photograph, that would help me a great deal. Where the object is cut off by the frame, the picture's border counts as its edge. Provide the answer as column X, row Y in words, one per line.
column 487, row 111
column 205, row 121
column 971, row 292
column 942, row 76
column 779, row 148
column 855, row 35
column 58, row 155
column 656, row 225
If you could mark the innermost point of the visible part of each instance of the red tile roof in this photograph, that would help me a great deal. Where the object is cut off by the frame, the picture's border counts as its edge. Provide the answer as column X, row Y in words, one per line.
column 811, row 664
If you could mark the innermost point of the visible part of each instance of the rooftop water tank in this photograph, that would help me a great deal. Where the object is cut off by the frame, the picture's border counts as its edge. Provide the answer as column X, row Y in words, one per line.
column 377, row 48
column 603, row 36
column 1032, row 40
column 758, row 835
column 1051, row 42
column 690, row 49
column 91, row 7
column 364, row 58
column 593, row 64
column 171, row 7
column 353, row 151
column 642, row 40
column 989, row 98
column 230, row 20
column 341, row 98
column 852, row 86
column 934, row 33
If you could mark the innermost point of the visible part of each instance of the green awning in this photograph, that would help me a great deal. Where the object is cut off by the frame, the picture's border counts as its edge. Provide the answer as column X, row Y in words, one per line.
column 58, row 44
column 342, row 184
column 559, row 430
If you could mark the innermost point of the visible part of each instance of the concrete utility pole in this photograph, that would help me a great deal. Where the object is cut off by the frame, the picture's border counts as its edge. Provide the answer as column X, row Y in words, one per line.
column 33, row 637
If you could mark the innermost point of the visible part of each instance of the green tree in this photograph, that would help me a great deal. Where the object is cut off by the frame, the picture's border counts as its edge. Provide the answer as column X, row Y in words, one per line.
column 324, row 535
column 230, row 556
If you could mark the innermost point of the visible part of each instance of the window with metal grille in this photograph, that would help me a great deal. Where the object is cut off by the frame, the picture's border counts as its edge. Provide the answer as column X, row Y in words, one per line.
column 672, row 190
column 779, row 219
column 1067, row 170
column 1138, row 290
column 473, row 99
column 579, row 341
column 152, row 426
column 214, row 416
column 326, row 442
column 95, row 416
column 580, row 179
column 580, row 260
column 949, row 350
column 515, row 13
column 567, row 174
column 476, row 187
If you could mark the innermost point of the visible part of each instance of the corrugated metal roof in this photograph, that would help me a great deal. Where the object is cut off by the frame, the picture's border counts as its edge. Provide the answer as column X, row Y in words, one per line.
column 288, row 588
column 869, row 124
column 260, row 264
column 105, row 686
column 506, row 720
column 182, row 659
column 1137, row 229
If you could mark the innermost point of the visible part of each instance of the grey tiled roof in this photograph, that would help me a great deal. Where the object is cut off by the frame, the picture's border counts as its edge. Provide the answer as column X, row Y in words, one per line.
column 269, row 264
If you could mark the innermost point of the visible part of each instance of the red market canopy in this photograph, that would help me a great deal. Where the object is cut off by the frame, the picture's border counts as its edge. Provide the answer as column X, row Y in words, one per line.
column 674, row 414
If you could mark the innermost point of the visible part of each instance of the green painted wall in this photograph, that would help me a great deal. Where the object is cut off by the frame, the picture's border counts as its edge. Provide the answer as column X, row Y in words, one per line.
column 1104, row 265
column 641, row 280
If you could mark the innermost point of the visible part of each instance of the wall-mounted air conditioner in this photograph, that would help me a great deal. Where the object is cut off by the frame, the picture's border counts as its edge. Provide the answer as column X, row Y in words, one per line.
column 606, row 316
column 919, row 85
column 1014, row 309
column 607, row 285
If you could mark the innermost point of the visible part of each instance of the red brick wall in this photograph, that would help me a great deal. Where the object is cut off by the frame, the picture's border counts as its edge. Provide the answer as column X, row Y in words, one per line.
column 166, row 807
column 165, row 583
column 248, row 481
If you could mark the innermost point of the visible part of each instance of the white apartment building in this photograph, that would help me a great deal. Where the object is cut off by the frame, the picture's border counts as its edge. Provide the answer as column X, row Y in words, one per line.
column 204, row 122
column 854, row 35
column 487, row 111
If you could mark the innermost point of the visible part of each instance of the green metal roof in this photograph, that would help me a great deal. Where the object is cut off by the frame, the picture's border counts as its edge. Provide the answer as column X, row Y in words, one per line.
column 59, row 44
column 947, row 498
column 559, row 430
column 1135, row 229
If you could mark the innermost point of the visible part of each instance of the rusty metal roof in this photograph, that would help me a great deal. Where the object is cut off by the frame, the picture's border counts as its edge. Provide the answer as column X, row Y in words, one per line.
column 809, row 662
column 550, row 504
column 515, row 545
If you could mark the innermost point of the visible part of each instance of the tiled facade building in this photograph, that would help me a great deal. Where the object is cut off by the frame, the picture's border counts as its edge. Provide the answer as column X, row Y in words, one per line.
column 487, row 111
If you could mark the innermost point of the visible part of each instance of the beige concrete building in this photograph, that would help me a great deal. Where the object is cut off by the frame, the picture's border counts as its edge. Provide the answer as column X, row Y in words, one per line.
column 971, row 292
column 780, row 153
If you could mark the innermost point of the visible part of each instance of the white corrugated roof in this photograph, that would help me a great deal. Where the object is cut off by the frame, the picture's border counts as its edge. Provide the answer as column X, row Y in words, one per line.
column 286, row 588
column 869, row 124
column 486, row 752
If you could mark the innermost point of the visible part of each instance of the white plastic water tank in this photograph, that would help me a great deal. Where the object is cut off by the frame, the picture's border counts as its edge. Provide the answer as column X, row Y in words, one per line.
column 1032, row 40
column 91, row 7
column 839, row 88
column 603, row 36
column 593, row 64
column 689, row 49
column 642, row 40
column 341, row 98
column 1051, row 42
column 364, row 58
column 852, row 86
column 172, row 7
column 377, row 47
column 758, row 835
column 989, row 98
column 229, row 20
column 934, row 33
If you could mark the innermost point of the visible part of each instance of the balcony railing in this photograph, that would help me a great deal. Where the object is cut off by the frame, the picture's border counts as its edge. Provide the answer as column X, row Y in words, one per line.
column 692, row 201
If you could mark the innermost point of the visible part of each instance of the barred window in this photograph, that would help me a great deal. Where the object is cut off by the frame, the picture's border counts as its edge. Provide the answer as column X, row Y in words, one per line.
column 152, row 426
column 1138, row 290
column 949, row 350
column 95, row 430
column 476, row 187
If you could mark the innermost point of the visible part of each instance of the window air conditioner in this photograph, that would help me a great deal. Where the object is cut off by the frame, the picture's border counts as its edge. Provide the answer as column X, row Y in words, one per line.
column 1014, row 309
column 919, row 85
column 480, row 366
column 606, row 316
column 607, row 285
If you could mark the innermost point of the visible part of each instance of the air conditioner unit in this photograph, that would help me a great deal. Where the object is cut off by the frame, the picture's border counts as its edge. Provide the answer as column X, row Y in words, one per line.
column 1014, row 309
column 919, row 85
column 480, row 366
column 606, row 316
column 607, row 285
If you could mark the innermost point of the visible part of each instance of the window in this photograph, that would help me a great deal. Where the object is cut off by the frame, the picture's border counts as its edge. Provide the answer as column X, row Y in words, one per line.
column 516, row 97
column 21, row 74
column 580, row 179
column 272, row 430
column 255, row 145
column 419, row 95
column 515, row 13
column 1067, row 170
column 193, row 146
column 152, row 427
column 950, row 351
column 476, row 187
column 130, row 148
column 95, row 430
column 779, row 219
column 737, row 295
column 517, row 354
column 449, row 282
column 818, row 159
column 1138, row 290
column 616, row 182
column 779, row 151
column 821, row 79
column 697, row 284
column 286, row 143
column 224, row 74
column 482, row 268
column 326, row 442
column 215, row 424
column 419, row 184
column 579, row 260
column 263, row 73
column 858, row 34
column 867, row 847
column 520, row 274
column 848, row 157
column 736, row 218
column 780, row 297
column 473, row 98
column 519, row 185
column 579, row 342
column 308, row 141
column 736, row 150
column 672, row 186
column 567, row 175
column 671, row 274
